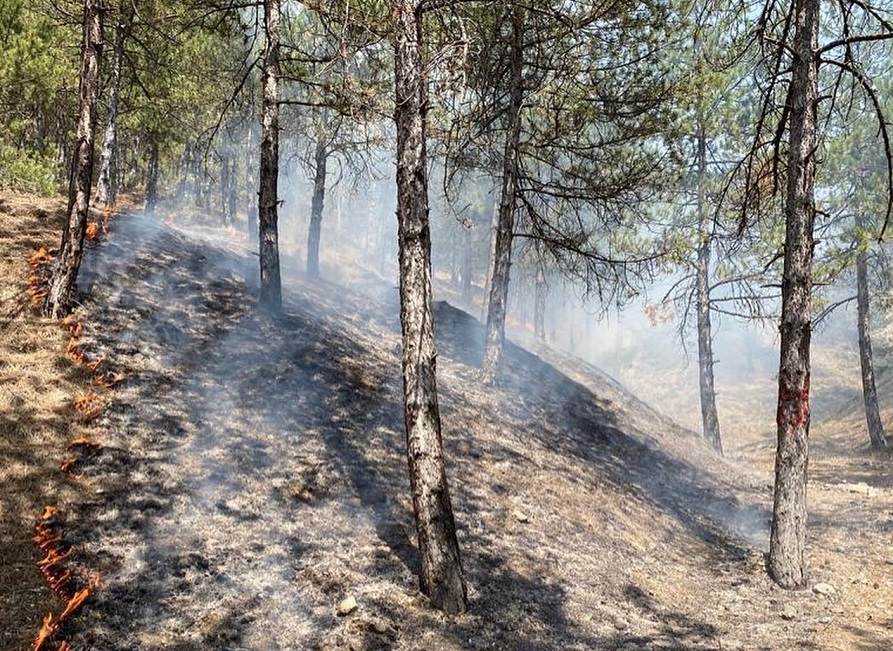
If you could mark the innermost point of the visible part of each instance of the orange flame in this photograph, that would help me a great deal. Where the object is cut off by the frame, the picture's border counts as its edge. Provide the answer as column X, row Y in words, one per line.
column 49, row 627
column 89, row 405
column 92, row 233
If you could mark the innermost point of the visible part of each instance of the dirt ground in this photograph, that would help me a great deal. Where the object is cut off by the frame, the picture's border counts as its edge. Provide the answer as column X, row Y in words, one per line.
column 251, row 478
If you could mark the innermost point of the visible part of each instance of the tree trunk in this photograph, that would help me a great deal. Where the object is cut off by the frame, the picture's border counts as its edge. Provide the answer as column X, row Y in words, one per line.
column 541, row 293
column 152, row 181
column 466, row 268
column 63, row 284
column 316, row 206
column 252, row 189
column 441, row 568
column 268, row 202
column 787, row 543
column 502, row 259
column 227, row 197
column 869, row 390
column 107, row 180
column 488, row 280
column 709, row 417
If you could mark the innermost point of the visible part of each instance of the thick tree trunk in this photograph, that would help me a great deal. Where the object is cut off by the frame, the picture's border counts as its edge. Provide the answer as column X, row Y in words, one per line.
column 268, row 202
column 152, row 181
column 63, row 284
column 502, row 259
column 869, row 389
column 488, row 279
column 709, row 417
column 314, row 233
column 107, row 180
column 787, row 543
column 441, row 568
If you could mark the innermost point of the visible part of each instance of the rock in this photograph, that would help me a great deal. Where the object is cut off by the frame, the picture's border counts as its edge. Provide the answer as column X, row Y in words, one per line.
column 789, row 613
column 824, row 589
column 346, row 606
column 520, row 516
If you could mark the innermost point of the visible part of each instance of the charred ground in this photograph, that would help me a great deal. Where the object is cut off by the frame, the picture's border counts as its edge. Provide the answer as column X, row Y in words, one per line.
column 252, row 476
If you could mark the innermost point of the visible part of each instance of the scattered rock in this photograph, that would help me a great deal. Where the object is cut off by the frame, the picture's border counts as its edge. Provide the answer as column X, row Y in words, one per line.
column 346, row 606
column 520, row 516
column 825, row 589
column 789, row 613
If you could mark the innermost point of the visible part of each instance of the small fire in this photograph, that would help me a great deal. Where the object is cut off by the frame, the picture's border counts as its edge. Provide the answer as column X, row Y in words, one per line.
column 89, row 404
column 39, row 257
column 48, row 537
column 93, row 230
column 67, row 466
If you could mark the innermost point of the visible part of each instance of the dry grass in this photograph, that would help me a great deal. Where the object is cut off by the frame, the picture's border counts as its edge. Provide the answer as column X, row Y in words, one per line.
column 252, row 476
column 37, row 384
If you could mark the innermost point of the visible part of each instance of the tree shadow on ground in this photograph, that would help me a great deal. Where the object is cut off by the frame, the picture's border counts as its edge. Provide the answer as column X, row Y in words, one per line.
column 230, row 413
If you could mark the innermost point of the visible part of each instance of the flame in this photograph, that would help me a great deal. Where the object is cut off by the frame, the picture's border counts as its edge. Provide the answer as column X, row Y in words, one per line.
column 109, row 380
column 89, row 404
column 39, row 257
column 49, row 538
column 92, row 233
column 49, row 627
column 83, row 441
column 67, row 466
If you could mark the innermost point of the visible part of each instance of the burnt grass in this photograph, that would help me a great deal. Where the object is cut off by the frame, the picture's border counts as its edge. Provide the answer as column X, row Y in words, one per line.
column 252, row 476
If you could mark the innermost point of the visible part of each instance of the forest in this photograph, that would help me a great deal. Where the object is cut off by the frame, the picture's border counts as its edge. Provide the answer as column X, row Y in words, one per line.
column 446, row 324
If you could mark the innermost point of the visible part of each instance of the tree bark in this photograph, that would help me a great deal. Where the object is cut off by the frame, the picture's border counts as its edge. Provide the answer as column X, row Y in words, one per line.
column 787, row 543
column 152, row 181
column 502, row 258
column 107, row 180
column 63, row 284
column 227, row 194
column 541, row 293
column 441, row 575
column 252, row 188
column 466, row 268
column 314, row 233
column 268, row 201
column 869, row 390
column 709, row 416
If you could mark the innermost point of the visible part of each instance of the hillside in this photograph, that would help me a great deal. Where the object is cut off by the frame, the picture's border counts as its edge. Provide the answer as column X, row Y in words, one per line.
column 249, row 476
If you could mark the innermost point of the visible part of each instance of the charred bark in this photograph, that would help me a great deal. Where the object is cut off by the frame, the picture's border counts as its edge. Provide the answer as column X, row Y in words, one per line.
column 268, row 200
column 152, row 181
column 441, row 575
column 63, row 284
column 502, row 255
column 787, row 542
column 320, row 158
column 876, row 433
column 107, row 180
column 709, row 417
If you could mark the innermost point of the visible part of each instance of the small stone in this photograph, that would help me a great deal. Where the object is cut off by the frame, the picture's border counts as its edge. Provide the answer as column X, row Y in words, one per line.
column 824, row 589
column 520, row 516
column 346, row 606
column 789, row 613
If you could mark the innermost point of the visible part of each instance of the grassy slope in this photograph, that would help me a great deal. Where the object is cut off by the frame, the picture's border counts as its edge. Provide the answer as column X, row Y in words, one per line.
column 37, row 384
